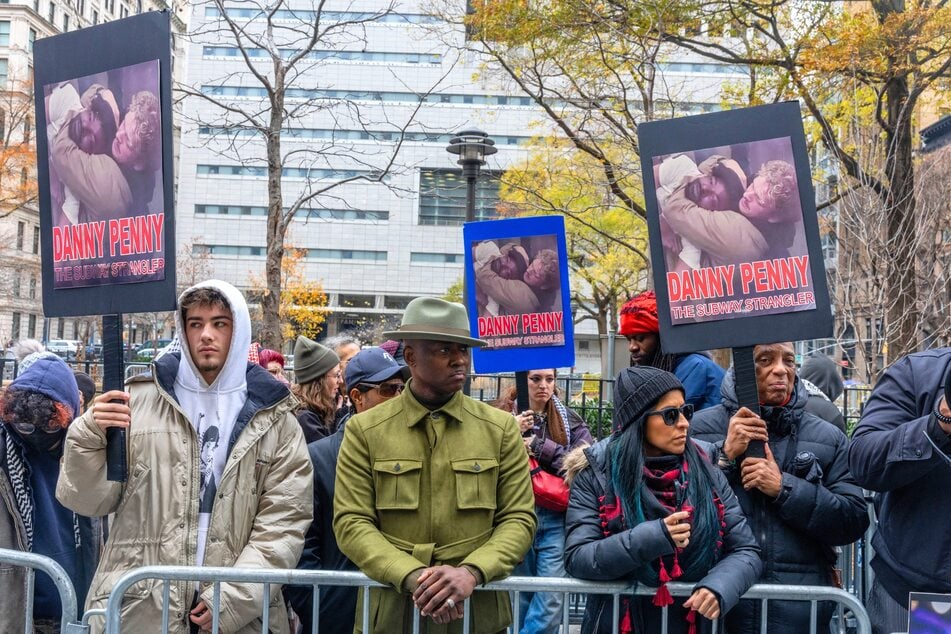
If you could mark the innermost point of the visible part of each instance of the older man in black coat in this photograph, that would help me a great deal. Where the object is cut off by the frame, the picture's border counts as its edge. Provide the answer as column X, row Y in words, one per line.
column 800, row 499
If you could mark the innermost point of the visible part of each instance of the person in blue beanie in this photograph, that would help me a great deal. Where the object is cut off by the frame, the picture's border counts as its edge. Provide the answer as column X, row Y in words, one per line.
column 35, row 411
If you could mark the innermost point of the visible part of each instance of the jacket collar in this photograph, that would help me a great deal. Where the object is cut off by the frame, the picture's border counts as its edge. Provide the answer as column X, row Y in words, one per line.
column 263, row 391
column 416, row 411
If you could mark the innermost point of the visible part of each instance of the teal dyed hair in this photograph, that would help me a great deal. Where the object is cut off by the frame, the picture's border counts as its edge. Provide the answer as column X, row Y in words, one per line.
column 626, row 453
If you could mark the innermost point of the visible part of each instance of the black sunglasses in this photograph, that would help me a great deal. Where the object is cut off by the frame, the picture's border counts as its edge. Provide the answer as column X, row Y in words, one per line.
column 387, row 390
column 672, row 414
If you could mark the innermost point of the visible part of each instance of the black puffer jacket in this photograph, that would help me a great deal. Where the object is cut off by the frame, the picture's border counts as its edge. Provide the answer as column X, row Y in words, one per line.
column 589, row 554
column 820, row 506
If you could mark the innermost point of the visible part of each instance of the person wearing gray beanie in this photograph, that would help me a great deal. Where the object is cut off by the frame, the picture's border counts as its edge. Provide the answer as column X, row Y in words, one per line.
column 317, row 383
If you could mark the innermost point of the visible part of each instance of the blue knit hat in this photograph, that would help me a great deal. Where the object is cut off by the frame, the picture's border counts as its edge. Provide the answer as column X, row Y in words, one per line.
column 50, row 376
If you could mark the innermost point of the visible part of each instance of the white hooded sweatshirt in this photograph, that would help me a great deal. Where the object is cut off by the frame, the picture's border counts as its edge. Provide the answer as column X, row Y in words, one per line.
column 213, row 409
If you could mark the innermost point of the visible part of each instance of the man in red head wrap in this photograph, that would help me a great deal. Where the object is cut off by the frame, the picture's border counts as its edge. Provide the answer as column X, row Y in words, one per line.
column 701, row 377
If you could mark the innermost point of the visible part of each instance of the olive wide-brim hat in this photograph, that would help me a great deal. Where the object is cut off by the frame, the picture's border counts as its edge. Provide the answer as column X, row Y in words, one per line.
column 436, row 320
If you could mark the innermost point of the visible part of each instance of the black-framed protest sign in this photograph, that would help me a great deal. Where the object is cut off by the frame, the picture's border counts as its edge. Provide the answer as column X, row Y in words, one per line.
column 734, row 237
column 104, row 163
column 517, row 293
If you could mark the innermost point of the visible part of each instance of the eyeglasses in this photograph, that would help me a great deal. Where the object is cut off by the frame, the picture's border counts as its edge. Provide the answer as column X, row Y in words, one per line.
column 28, row 428
column 387, row 390
column 672, row 414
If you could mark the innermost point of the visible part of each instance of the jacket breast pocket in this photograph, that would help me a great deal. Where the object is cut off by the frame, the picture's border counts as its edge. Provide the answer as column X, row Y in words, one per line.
column 476, row 481
column 397, row 484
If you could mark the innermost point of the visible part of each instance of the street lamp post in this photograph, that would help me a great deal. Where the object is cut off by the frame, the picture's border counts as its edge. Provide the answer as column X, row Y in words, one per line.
column 472, row 146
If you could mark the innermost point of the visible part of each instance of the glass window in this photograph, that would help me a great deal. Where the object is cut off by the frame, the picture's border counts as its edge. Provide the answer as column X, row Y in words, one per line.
column 397, row 302
column 356, row 301
column 52, row 13
column 16, row 283
column 95, row 17
column 442, row 196
column 32, row 38
column 31, row 331
column 36, row 239
column 4, row 68
column 60, row 328
column 15, row 326
column 32, row 287
column 4, row 32
column 436, row 258
column 21, row 233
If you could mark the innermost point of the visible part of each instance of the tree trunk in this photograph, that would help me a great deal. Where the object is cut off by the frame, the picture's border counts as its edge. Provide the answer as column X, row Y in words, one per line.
column 902, row 317
column 270, row 334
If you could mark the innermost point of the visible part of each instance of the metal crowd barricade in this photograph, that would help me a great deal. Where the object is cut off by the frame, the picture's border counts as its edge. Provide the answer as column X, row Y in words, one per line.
column 515, row 585
column 67, row 595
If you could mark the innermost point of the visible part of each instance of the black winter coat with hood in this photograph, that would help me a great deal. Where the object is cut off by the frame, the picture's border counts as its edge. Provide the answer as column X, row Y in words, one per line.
column 589, row 554
column 819, row 506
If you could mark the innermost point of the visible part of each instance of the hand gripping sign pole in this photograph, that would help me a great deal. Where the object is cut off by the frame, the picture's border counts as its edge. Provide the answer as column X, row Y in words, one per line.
column 112, row 375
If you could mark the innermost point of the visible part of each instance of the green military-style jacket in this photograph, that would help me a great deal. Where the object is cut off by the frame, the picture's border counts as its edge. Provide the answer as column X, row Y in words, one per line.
column 417, row 488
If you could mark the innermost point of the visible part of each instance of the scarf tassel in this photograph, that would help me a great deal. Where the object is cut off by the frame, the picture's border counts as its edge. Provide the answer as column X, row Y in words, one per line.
column 662, row 597
column 691, row 622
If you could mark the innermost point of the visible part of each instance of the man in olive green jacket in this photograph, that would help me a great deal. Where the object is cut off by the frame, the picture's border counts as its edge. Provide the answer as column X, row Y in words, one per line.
column 433, row 491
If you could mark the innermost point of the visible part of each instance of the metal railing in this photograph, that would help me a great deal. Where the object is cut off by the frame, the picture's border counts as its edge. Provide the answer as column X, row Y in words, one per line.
column 565, row 586
column 67, row 595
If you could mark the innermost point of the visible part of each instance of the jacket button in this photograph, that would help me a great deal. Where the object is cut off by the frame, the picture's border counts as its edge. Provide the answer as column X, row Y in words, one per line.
column 918, row 452
column 182, row 525
column 477, row 467
column 397, row 467
column 184, row 482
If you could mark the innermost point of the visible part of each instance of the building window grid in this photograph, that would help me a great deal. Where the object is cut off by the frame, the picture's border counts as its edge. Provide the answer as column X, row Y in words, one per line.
column 292, row 15
column 60, row 328
column 31, row 39
column 287, row 172
column 442, row 197
column 4, row 32
column 337, row 135
column 31, row 330
column 32, row 287
column 52, row 13
column 17, row 280
column 15, row 326
column 304, row 214
column 36, row 240
column 327, row 54
column 4, row 72
column 21, row 234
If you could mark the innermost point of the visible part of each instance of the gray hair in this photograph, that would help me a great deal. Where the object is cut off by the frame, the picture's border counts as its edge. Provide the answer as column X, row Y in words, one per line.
column 339, row 341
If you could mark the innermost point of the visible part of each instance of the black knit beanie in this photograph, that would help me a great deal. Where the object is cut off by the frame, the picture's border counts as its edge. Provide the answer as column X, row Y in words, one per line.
column 636, row 390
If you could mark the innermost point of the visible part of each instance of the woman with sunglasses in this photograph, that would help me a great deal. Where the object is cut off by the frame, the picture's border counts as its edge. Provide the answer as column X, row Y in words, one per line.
column 550, row 430
column 647, row 506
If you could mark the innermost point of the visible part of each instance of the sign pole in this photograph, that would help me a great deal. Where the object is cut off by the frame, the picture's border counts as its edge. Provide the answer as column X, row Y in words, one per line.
column 747, row 395
column 112, row 379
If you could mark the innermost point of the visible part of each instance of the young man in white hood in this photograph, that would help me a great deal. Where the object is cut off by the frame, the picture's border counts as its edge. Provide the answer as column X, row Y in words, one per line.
column 219, row 474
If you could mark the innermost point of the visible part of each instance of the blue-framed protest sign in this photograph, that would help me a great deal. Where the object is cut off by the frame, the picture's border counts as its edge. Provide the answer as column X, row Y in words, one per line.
column 517, row 293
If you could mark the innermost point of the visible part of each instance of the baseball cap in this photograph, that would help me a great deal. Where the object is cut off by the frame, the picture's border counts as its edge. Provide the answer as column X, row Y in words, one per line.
column 373, row 365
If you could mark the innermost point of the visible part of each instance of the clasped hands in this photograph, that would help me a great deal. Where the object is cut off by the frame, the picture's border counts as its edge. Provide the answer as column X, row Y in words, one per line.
column 440, row 592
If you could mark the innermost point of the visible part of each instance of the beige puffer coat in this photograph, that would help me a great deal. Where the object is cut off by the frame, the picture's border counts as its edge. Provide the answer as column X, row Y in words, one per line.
column 263, row 507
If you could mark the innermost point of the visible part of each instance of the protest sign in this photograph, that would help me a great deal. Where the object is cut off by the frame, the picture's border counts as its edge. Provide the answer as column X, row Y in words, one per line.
column 734, row 237
column 517, row 293
column 104, row 163
column 929, row 613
